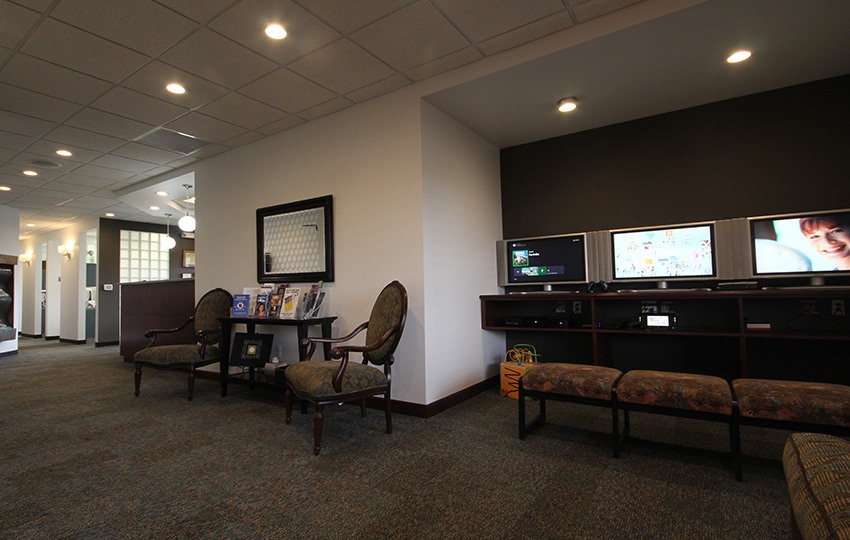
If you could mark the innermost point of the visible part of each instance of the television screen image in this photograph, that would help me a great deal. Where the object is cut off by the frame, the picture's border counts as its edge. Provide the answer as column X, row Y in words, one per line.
column 801, row 244
column 555, row 259
column 664, row 252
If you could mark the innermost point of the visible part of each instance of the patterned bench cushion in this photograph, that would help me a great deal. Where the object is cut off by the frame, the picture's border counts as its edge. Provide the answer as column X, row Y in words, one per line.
column 793, row 401
column 817, row 471
column 572, row 380
column 687, row 391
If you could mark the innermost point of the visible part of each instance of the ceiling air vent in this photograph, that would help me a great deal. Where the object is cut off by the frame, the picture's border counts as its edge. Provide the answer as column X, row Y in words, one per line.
column 172, row 140
column 44, row 164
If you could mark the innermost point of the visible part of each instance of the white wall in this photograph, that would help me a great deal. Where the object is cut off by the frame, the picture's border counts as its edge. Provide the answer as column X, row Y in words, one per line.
column 462, row 222
column 9, row 230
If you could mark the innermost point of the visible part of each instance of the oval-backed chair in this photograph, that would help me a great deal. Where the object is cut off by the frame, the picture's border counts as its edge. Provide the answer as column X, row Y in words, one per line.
column 324, row 382
column 207, row 329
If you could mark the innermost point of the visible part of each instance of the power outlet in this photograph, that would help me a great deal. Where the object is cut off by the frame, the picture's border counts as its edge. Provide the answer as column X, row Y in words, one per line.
column 838, row 308
column 576, row 307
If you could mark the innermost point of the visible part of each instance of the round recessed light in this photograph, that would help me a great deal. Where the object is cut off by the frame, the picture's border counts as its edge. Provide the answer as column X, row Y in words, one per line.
column 175, row 88
column 275, row 31
column 154, row 207
column 568, row 104
column 738, row 56
column 64, row 153
column 5, row 188
column 162, row 193
column 109, row 214
column 29, row 172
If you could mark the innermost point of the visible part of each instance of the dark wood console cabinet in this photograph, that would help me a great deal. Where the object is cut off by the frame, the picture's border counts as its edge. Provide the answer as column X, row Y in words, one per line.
column 713, row 334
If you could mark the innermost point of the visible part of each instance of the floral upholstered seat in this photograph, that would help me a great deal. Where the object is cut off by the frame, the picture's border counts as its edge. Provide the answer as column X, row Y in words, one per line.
column 793, row 401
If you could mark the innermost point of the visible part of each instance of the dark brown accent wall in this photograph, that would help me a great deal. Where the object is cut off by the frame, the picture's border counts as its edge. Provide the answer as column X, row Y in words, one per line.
column 774, row 152
column 108, row 260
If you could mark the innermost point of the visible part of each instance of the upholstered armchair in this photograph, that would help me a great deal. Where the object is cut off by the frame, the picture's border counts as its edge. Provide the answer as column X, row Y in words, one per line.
column 323, row 382
column 207, row 329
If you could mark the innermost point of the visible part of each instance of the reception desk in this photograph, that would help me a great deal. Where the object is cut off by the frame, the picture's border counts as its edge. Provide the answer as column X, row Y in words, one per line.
column 146, row 305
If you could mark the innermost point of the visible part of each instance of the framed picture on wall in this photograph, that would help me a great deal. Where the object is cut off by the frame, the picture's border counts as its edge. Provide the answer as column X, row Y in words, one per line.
column 188, row 258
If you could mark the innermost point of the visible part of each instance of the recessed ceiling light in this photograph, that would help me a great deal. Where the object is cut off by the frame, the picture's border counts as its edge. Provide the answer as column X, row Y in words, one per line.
column 162, row 193
column 29, row 173
column 568, row 104
column 5, row 188
column 738, row 56
column 154, row 208
column 64, row 153
column 275, row 31
column 109, row 214
column 175, row 88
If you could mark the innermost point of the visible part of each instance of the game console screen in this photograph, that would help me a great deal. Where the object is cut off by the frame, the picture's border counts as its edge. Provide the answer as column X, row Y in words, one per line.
column 559, row 259
column 664, row 252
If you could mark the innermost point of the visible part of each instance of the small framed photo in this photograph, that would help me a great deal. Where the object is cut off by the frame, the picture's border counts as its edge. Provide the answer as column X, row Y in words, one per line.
column 252, row 350
column 188, row 258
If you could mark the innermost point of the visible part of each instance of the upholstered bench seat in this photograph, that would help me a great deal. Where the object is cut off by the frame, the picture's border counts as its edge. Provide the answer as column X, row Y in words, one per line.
column 792, row 404
column 576, row 383
column 689, row 395
column 817, row 472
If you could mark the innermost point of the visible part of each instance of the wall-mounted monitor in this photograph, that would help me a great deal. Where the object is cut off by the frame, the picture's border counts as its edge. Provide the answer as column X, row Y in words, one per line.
column 810, row 244
column 676, row 252
column 545, row 261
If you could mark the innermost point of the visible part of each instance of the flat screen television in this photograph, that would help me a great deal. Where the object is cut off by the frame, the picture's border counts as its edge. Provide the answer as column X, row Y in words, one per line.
column 805, row 244
column 676, row 252
column 549, row 260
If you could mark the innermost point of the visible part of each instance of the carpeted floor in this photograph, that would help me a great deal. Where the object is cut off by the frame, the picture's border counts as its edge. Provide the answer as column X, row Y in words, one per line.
column 83, row 458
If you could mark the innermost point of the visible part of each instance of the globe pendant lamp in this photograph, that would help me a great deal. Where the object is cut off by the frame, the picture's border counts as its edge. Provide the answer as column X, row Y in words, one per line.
column 168, row 242
column 187, row 222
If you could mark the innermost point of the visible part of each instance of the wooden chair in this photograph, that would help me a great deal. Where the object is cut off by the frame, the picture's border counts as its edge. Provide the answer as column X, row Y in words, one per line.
column 323, row 382
column 207, row 329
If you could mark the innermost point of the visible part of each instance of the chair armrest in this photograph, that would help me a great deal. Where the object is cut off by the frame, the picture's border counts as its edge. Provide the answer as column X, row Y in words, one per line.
column 153, row 333
column 312, row 341
column 337, row 352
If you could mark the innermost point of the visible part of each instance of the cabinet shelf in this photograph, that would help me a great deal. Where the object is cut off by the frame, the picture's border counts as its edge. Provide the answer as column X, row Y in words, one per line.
column 711, row 334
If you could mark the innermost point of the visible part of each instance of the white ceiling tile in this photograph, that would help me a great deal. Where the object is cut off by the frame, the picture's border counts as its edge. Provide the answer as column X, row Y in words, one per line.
column 102, row 173
column 153, row 78
column 6, row 154
column 413, row 36
column 24, row 125
column 4, row 54
column 82, row 138
column 332, row 106
column 218, row 59
column 446, row 63
column 379, row 88
column 287, row 91
column 30, row 103
column 241, row 140
column 484, row 19
column 205, row 128
column 123, row 164
column 141, row 107
column 592, row 9
column 209, row 151
column 281, row 125
column 143, row 152
column 90, row 202
column 183, row 161
column 529, row 32
column 109, row 124
column 242, row 111
column 245, row 23
column 40, row 76
column 141, row 25
column 15, row 22
column 200, row 12
column 342, row 67
column 42, row 6
column 350, row 15
column 67, row 187
column 48, row 148
column 90, row 54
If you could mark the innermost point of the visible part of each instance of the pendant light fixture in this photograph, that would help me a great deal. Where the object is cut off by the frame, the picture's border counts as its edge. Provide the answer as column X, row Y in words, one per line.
column 168, row 242
column 187, row 222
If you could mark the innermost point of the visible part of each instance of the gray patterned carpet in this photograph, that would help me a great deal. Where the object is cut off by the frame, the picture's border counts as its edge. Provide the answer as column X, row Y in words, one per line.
column 83, row 458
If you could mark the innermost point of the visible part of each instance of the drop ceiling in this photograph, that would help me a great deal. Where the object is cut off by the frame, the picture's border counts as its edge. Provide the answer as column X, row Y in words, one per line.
column 89, row 76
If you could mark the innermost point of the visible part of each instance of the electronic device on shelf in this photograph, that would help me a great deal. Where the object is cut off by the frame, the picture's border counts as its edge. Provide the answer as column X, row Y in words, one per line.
column 813, row 244
column 658, row 321
column 547, row 261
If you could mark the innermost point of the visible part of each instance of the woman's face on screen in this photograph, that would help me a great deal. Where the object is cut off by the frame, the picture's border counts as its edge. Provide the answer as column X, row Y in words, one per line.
column 833, row 242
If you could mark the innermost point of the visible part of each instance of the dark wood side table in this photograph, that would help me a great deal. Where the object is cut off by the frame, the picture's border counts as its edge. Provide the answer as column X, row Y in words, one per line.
column 302, row 325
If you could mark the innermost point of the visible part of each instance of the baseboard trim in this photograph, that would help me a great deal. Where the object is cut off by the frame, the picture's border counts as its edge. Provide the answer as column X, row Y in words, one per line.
column 33, row 336
column 106, row 343
column 51, row 338
column 9, row 353
column 72, row 341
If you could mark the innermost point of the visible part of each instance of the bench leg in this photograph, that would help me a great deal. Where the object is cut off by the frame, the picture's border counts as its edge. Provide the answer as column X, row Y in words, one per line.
column 735, row 446
column 538, row 421
column 620, row 439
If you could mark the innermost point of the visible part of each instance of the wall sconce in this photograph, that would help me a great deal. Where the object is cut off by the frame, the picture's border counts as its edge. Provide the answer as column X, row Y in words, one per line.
column 26, row 258
column 66, row 249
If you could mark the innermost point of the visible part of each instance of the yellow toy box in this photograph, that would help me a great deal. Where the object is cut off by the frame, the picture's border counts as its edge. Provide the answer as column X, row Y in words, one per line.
column 517, row 361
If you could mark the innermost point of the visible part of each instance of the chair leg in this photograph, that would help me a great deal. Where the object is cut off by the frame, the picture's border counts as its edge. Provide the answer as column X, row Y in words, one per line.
column 191, row 381
column 318, row 422
column 138, row 378
column 388, row 412
column 363, row 407
column 287, row 399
